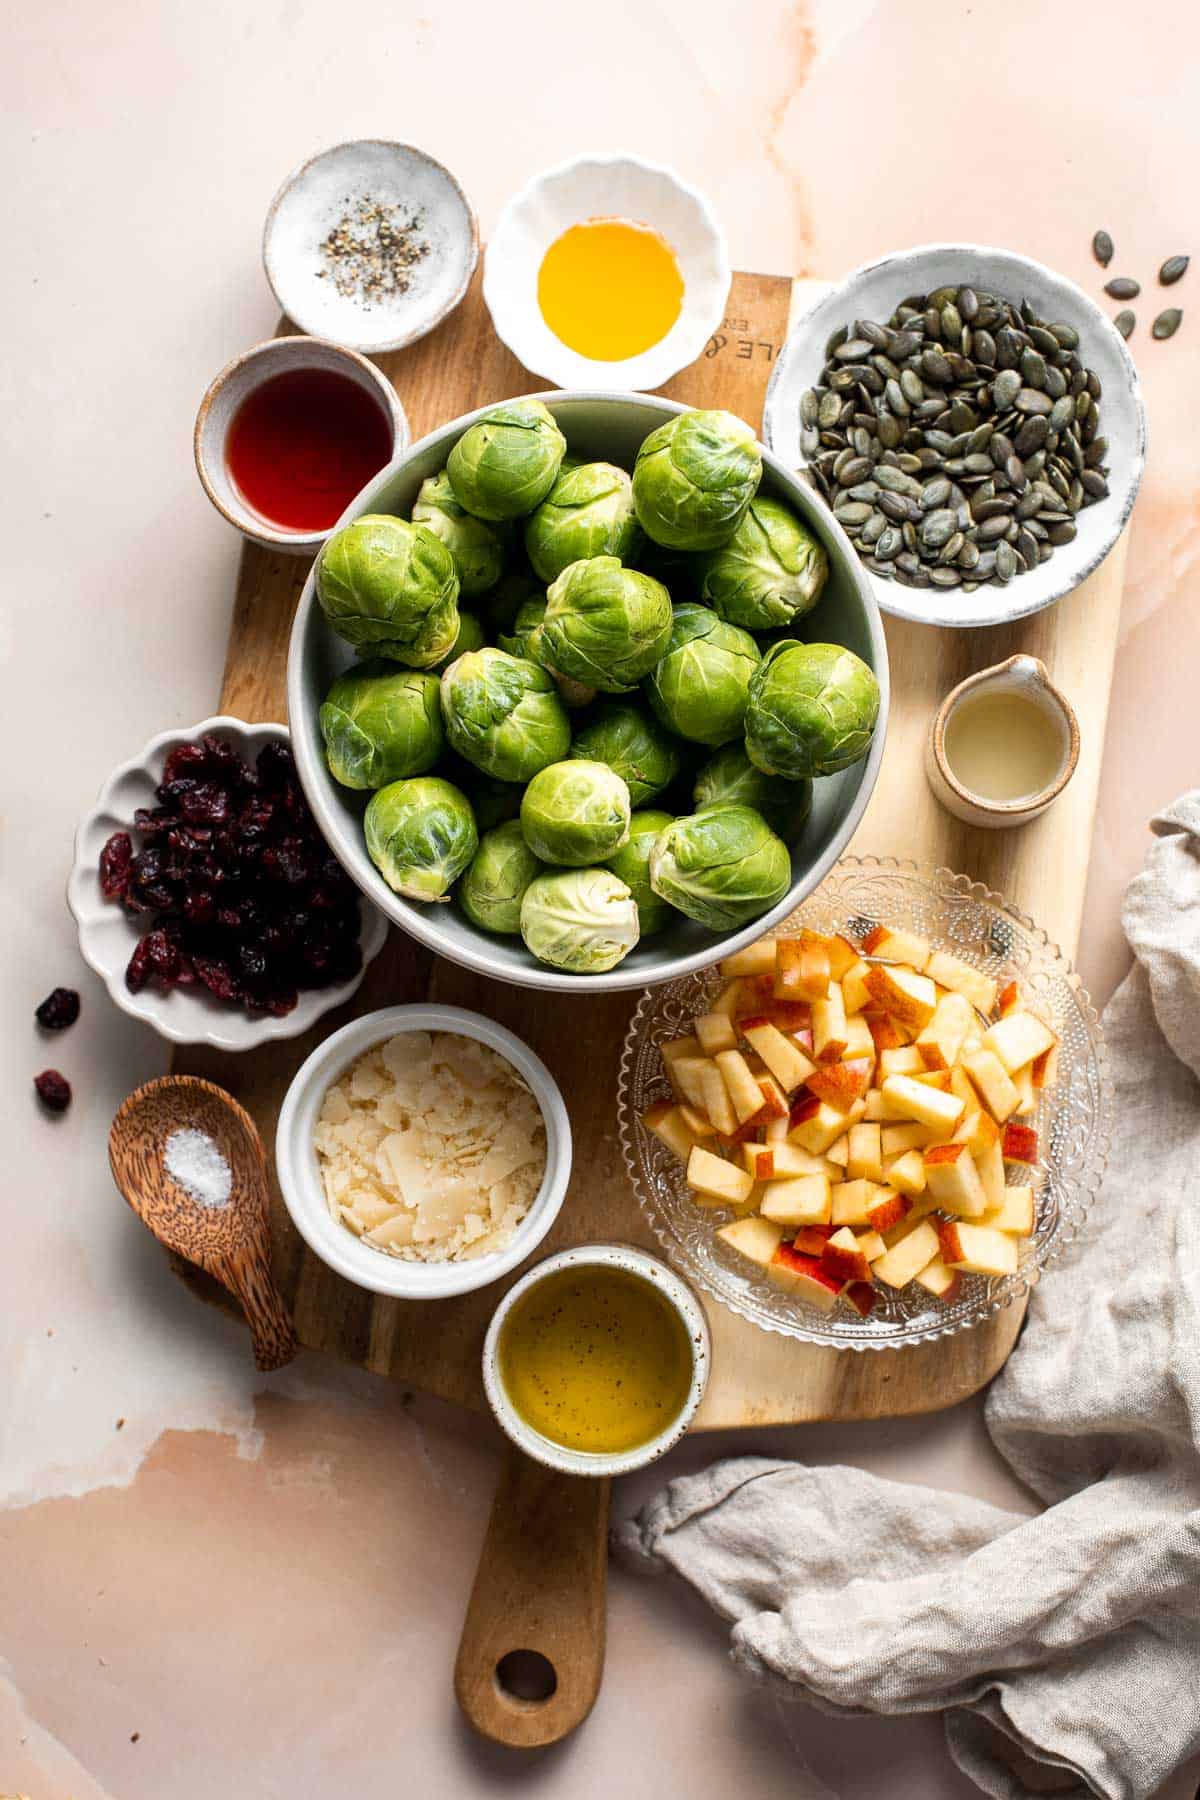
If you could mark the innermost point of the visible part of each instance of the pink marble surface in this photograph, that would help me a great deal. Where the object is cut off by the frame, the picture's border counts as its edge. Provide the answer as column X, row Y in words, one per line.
column 214, row 1584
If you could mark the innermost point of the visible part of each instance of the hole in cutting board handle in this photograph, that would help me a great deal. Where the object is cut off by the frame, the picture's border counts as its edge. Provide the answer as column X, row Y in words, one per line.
column 526, row 1675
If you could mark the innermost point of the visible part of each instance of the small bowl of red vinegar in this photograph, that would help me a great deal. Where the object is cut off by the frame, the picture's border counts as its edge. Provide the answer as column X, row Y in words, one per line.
column 289, row 433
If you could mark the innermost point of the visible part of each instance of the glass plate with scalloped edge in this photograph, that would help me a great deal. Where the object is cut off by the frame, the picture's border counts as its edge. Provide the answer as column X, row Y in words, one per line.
column 965, row 918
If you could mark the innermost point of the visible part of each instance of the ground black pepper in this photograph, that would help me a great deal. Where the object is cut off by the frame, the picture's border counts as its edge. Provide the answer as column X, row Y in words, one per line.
column 372, row 250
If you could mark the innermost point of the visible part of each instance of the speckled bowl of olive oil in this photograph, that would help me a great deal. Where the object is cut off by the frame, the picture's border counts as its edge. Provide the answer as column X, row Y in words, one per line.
column 596, row 1361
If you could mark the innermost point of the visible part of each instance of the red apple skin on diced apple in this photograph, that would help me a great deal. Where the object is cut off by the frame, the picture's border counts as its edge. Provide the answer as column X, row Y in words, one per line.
column 810, row 1240
column 889, row 1212
column 1009, row 999
column 841, row 1084
column 803, row 1275
column 948, row 1240
column 845, row 1264
column 887, row 1034
column 862, row 1296
column 1019, row 1144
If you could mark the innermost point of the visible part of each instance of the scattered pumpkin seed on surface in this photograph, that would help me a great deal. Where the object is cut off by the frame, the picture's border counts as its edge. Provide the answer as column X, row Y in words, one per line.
column 1123, row 287
column 1102, row 248
column 1167, row 323
column 1125, row 322
column 1173, row 269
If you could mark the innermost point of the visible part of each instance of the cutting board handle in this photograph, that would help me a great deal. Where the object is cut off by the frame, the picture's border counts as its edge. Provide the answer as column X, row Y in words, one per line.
column 532, row 1649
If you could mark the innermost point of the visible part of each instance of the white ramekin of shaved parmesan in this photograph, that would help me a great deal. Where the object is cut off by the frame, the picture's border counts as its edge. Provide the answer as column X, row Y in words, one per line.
column 423, row 1151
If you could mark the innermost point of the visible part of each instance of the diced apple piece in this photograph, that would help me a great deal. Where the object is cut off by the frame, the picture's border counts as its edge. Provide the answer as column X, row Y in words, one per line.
column 1008, row 999
column 1027, row 1102
column 802, row 1200
column 871, row 1245
column 1044, row 1068
column 897, row 1140
column 905, row 1260
column 755, row 959
column 740, row 1084
column 993, row 1084
column 854, row 987
column 842, row 955
column 935, row 1078
column 838, row 1152
column 774, row 1100
column 861, row 1295
column 1017, row 1039
column 756, row 1239
column 686, row 1075
column 729, row 1001
column 829, row 1026
column 976, row 1129
column 710, row 1174
column 859, row 1042
column 1015, row 1214
column 939, row 1280
column 887, row 1209
column 814, row 1125
column 897, row 946
column 790, row 1159
column 841, row 1084
column 909, row 997
column 802, row 967
column 940, row 1042
column 953, row 1180
column 789, row 1065
column 715, row 1031
column 1019, row 1144
column 666, row 1122
column 850, row 1202
column 990, row 1164
column 680, row 1046
column 698, row 1123
column 905, row 1098
column 865, row 1156
column 907, row 1173
column 905, row 1061
column 775, row 1131
column 759, row 1161
column 950, row 972
column 876, row 1112
column 976, row 1249
column 811, row 1240
column 802, row 1275
column 843, row 1257
column 886, row 1033
column 716, row 1101
column 960, row 1084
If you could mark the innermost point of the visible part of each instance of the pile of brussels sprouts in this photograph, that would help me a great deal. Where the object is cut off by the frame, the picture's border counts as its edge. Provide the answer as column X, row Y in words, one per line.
column 605, row 759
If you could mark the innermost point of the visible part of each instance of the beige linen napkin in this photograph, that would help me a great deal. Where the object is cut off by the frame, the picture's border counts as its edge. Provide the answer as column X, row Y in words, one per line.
column 1064, row 1649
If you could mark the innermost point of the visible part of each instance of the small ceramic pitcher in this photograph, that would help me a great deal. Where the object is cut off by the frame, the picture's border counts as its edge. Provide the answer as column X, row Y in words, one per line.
column 1030, row 678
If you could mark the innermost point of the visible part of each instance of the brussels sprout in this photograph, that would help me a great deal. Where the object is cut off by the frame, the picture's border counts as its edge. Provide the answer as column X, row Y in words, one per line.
column 521, row 637
column 575, row 813
column 420, row 835
column 476, row 548
column 470, row 637
column 491, row 891
column 731, row 776
column 722, row 867
column 620, row 734
column 381, row 724
column 605, row 625
column 699, row 688
column 770, row 572
column 632, row 865
column 506, row 463
column 503, row 714
column 694, row 478
column 812, row 710
column 584, row 920
column 390, row 587
column 588, row 512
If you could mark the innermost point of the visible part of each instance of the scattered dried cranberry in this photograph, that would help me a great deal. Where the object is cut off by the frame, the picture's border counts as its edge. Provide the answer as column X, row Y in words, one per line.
column 53, row 1090
column 115, row 860
column 58, row 1010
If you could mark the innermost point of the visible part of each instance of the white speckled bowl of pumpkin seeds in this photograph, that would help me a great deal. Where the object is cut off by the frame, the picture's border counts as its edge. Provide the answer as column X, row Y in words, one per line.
column 993, row 503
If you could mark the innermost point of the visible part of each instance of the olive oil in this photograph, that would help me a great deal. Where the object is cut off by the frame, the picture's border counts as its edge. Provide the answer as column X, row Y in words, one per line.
column 610, row 288
column 596, row 1359
column 1003, row 746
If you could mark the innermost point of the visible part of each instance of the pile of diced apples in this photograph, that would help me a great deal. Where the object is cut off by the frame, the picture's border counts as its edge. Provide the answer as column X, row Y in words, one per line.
column 859, row 1110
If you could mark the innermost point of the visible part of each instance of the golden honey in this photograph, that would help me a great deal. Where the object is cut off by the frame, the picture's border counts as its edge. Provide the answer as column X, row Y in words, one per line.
column 609, row 288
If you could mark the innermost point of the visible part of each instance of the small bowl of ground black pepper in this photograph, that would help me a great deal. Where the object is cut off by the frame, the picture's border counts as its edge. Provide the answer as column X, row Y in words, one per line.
column 975, row 423
column 371, row 244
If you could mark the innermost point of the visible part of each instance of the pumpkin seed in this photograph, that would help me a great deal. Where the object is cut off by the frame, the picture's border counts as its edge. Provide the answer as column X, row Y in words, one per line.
column 1167, row 323
column 1173, row 270
column 1102, row 248
column 1123, row 287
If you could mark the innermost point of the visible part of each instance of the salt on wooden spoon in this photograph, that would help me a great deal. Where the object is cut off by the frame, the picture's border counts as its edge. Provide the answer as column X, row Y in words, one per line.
column 190, row 1162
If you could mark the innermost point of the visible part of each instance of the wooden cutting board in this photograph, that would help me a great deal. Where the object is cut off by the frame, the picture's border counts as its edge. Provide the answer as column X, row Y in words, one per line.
column 757, row 1378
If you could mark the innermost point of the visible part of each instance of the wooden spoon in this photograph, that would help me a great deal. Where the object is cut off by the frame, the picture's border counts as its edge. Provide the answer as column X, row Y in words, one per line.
column 233, row 1241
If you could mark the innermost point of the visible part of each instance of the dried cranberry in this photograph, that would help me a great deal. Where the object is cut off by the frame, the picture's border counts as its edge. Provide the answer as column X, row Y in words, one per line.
column 137, row 972
column 216, row 977
column 185, row 759
column 53, row 1090
column 199, row 906
column 276, row 765
column 207, row 804
column 58, row 1010
column 163, row 955
column 115, row 860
